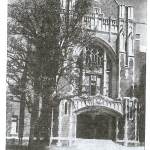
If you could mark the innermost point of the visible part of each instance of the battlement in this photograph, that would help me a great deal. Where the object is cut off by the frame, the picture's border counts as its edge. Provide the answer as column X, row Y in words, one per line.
column 95, row 21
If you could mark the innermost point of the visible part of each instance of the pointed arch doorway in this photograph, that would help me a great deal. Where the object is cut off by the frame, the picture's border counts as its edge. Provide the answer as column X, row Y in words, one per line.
column 95, row 126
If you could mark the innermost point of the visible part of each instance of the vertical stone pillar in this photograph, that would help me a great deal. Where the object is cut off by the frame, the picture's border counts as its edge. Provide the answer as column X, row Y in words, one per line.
column 59, row 124
column 117, row 130
column 96, row 21
column 74, row 84
column 104, row 73
column 52, row 126
column 125, row 50
column 130, row 43
column 75, row 126
column 136, row 130
column 70, row 125
column 110, row 25
column 138, row 118
column 129, row 37
column 126, row 122
column 121, row 44
column 121, row 11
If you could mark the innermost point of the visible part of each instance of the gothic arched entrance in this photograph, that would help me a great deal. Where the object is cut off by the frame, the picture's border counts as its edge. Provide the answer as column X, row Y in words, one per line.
column 94, row 125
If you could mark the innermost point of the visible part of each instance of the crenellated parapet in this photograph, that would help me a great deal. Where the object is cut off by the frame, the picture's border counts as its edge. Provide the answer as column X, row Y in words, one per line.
column 95, row 20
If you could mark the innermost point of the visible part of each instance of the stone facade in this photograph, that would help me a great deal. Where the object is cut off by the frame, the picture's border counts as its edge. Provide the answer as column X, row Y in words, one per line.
column 104, row 88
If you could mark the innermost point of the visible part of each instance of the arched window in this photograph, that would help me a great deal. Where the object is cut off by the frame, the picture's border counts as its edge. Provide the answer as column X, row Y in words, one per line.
column 94, row 56
column 98, row 71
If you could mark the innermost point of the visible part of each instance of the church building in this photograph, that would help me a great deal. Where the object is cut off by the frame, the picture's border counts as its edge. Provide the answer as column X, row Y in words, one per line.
column 107, row 68
column 106, row 73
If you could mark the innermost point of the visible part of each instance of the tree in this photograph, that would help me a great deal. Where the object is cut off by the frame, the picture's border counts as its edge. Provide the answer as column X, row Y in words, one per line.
column 17, row 76
column 42, row 33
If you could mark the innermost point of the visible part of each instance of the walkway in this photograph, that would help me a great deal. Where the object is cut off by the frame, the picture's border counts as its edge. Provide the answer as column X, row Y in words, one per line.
column 87, row 144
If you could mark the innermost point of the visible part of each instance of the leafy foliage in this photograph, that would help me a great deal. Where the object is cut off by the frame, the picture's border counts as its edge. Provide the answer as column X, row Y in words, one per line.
column 40, row 33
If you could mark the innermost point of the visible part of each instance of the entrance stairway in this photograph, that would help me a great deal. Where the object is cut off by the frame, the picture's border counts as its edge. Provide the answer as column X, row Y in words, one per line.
column 93, row 144
column 96, row 144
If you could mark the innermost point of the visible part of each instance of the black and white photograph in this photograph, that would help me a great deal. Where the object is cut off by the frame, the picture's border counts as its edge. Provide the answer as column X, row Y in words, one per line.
column 76, row 75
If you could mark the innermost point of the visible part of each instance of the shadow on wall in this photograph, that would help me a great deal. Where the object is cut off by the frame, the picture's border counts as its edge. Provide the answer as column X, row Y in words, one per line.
column 138, row 90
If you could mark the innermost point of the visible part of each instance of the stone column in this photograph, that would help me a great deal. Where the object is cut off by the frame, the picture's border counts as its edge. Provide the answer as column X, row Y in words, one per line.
column 51, row 126
column 59, row 125
column 135, row 107
column 138, row 118
column 121, row 43
column 70, row 125
column 75, row 126
column 126, row 123
column 110, row 24
column 117, row 130
column 104, row 74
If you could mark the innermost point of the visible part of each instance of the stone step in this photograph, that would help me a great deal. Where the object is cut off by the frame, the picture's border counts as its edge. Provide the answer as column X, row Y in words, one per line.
column 96, row 143
column 94, row 148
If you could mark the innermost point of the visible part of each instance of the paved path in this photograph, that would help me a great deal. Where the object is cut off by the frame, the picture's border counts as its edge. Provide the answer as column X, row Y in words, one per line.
column 94, row 145
column 95, row 148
